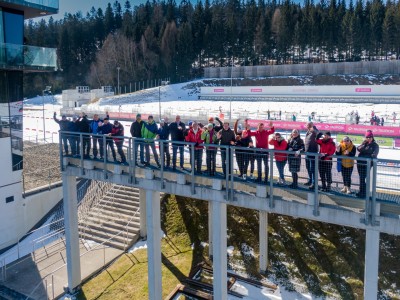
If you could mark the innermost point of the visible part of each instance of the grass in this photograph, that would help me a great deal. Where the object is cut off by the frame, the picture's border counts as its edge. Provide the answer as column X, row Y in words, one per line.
column 326, row 260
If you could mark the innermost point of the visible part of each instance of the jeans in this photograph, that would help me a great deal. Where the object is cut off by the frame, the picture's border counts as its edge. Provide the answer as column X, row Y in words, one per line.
column 139, row 144
column 198, row 159
column 110, row 144
column 120, row 151
column 310, row 166
column 226, row 160
column 97, row 140
column 174, row 154
column 281, row 167
column 167, row 155
column 86, row 145
column 243, row 159
column 147, row 147
column 64, row 138
column 73, row 142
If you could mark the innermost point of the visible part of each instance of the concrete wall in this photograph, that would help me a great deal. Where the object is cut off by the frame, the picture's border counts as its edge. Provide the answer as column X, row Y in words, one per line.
column 361, row 67
column 19, row 216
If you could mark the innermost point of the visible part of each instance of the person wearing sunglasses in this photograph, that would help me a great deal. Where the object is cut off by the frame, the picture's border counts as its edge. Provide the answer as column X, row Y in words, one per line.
column 346, row 148
column 368, row 149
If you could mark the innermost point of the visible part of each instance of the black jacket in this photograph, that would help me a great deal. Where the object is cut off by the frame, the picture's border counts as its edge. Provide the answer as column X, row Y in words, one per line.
column 176, row 134
column 83, row 125
column 368, row 150
column 136, row 129
column 310, row 142
column 227, row 136
column 64, row 124
column 296, row 144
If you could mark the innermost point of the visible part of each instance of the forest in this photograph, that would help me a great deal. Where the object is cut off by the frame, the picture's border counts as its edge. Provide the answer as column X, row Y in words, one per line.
column 164, row 39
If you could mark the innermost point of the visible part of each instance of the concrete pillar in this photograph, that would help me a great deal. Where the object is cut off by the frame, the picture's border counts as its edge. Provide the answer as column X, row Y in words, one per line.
column 142, row 209
column 71, row 232
column 220, row 262
column 371, row 264
column 263, row 215
column 154, row 244
column 210, row 230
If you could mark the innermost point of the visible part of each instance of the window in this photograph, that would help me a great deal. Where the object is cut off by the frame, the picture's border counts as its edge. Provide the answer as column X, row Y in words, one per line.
column 10, row 199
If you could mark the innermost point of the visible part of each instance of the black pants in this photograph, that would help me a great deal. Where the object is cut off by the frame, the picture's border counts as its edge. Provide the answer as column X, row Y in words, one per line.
column 295, row 178
column 110, row 144
column 147, row 147
column 325, row 172
column 120, row 151
column 226, row 160
column 167, row 154
column 73, row 142
column 242, row 159
column 362, row 172
column 64, row 138
column 210, row 160
column 260, row 157
column 346, row 173
column 86, row 146
column 198, row 159
column 97, row 140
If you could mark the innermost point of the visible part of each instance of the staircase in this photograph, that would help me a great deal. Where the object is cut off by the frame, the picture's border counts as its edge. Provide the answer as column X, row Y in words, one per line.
column 117, row 212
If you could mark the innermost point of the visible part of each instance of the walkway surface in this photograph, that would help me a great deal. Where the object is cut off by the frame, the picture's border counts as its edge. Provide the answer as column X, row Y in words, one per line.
column 43, row 274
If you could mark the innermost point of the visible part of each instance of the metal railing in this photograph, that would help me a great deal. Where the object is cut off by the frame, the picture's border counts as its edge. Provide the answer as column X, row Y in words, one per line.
column 377, row 185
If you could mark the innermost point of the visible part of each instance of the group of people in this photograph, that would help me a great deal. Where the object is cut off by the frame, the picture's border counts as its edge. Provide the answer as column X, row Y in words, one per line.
column 96, row 129
column 316, row 145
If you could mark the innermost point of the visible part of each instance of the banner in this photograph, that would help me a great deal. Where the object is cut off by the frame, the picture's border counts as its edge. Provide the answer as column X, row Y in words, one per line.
column 397, row 143
column 358, row 139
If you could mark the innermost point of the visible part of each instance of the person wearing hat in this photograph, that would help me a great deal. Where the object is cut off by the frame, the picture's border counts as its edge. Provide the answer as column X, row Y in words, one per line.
column 368, row 149
column 106, row 129
column 163, row 135
column 209, row 137
column 346, row 148
column 326, row 148
column 118, row 132
column 216, row 127
column 149, row 132
column 64, row 126
column 194, row 136
column 311, row 146
column 177, row 129
column 136, row 133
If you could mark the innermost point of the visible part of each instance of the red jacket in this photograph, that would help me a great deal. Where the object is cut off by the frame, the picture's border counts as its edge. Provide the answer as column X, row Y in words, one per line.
column 327, row 147
column 117, row 131
column 282, row 145
column 262, row 137
column 195, row 138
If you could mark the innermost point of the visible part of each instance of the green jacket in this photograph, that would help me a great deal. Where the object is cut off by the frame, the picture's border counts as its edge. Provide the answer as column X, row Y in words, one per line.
column 205, row 136
column 149, row 130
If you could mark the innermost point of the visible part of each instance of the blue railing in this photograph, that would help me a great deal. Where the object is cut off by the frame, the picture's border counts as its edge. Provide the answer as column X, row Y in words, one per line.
column 27, row 57
column 261, row 167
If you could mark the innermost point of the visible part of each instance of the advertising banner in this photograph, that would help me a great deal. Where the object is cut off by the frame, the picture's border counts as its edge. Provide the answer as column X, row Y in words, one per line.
column 358, row 139
column 397, row 143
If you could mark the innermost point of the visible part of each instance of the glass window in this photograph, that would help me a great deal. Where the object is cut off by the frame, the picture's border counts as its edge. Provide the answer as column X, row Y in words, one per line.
column 13, row 27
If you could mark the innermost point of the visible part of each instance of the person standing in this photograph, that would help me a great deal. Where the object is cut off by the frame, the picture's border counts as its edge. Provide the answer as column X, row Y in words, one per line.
column 64, row 124
column 149, row 132
column 118, row 132
column 136, row 133
column 295, row 144
column 94, row 124
column 194, row 136
column 280, row 144
column 163, row 135
column 176, row 130
column 226, row 137
column 261, row 136
column 311, row 146
column 346, row 148
column 106, row 129
column 245, row 141
column 210, row 137
column 368, row 149
column 327, row 149
column 73, row 138
column 84, row 127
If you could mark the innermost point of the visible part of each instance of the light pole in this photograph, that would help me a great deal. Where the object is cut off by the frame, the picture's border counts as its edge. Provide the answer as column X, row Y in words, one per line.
column 118, row 80
column 159, row 97
column 46, row 91
column 230, row 101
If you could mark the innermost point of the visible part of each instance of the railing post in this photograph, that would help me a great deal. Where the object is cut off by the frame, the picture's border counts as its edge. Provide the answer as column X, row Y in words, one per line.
column 130, row 160
column 367, row 193
column 226, row 171
column 316, row 201
column 373, row 204
column 231, row 194
column 161, row 147
column 134, row 160
column 60, row 151
column 192, row 162
column 81, row 152
column 271, row 180
column 104, row 157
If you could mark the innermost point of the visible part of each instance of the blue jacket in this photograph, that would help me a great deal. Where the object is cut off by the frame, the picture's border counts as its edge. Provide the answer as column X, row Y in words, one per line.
column 163, row 132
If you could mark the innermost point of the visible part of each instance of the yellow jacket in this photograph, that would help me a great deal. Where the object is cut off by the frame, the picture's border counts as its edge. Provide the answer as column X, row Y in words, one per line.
column 347, row 163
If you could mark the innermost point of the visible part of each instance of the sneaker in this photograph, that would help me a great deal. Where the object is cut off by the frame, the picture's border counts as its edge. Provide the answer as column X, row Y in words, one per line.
column 348, row 191
column 244, row 177
column 251, row 176
column 308, row 183
column 328, row 188
column 344, row 189
column 311, row 187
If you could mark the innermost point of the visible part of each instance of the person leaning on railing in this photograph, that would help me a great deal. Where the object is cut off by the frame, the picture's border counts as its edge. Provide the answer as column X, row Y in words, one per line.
column 163, row 135
column 246, row 157
column 117, row 133
column 149, row 132
column 368, row 149
column 194, row 136
column 94, row 124
column 226, row 137
column 136, row 132
column 84, row 127
column 327, row 148
column 295, row 144
column 176, row 130
column 106, row 129
column 209, row 136
column 346, row 148
column 262, row 143
column 311, row 146
column 279, row 143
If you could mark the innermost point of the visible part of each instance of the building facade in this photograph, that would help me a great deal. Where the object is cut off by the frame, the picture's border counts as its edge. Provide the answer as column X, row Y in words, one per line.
column 16, row 58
